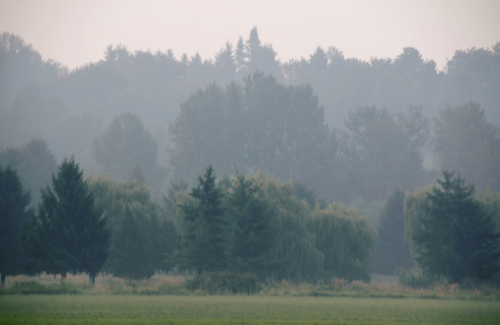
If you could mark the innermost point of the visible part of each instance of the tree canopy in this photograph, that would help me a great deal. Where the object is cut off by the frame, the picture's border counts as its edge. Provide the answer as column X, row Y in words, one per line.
column 34, row 163
column 126, row 146
column 142, row 233
column 466, row 143
column 274, row 234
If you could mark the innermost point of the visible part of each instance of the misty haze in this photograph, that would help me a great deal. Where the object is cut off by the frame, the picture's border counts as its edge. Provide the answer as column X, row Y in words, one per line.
column 252, row 178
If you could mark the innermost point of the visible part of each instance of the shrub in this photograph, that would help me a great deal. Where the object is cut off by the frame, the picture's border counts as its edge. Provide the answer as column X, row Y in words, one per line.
column 34, row 287
column 222, row 282
column 415, row 278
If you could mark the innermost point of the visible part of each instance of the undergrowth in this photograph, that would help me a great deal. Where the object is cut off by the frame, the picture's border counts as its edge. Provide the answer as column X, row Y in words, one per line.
column 222, row 284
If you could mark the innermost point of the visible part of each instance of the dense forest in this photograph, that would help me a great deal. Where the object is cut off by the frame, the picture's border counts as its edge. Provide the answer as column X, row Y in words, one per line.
column 326, row 166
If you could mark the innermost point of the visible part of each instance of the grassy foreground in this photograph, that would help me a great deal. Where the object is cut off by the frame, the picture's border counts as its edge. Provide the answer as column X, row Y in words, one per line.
column 161, row 284
column 136, row 309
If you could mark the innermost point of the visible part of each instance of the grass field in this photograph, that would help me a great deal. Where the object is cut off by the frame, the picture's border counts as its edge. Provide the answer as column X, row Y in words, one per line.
column 136, row 309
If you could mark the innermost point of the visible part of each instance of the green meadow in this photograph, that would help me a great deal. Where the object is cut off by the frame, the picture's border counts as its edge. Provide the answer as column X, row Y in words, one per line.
column 137, row 309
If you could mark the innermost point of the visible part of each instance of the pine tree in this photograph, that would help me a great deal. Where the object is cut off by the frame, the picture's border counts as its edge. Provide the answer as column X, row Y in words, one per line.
column 205, row 242
column 14, row 212
column 255, row 232
column 225, row 65
column 457, row 238
column 69, row 227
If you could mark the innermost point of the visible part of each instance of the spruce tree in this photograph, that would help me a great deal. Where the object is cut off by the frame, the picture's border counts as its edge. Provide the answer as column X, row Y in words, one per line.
column 457, row 238
column 14, row 212
column 205, row 242
column 70, row 229
column 255, row 230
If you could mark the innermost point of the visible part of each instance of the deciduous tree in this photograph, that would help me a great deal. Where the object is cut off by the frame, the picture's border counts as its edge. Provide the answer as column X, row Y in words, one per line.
column 392, row 249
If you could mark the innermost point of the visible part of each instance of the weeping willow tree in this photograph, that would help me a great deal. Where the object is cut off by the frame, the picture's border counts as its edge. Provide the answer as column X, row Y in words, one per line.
column 392, row 251
column 306, row 245
column 346, row 240
column 291, row 254
column 295, row 254
column 416, row 205
column 119, row 199
column 491, row 203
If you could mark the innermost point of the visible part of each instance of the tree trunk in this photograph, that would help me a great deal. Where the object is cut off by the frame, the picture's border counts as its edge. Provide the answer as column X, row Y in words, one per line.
column 63, row 277
column 91, row 278
column 3, row 280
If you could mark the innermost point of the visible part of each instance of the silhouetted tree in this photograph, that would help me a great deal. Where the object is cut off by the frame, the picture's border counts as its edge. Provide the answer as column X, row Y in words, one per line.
column 69, row 233
column 14, row 213
column 457, row 238
column 206, row 238
column 255, row 228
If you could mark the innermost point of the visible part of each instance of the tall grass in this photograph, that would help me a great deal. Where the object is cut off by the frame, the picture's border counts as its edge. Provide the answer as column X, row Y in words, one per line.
column 162, row 284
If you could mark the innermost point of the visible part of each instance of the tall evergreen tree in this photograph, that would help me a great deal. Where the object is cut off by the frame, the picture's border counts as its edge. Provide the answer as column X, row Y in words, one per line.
column 71, row 230
column 206, row 238
column 255, row 229
column 225, row 65
column 240, row 55
column 457, row 238
column 14, row 212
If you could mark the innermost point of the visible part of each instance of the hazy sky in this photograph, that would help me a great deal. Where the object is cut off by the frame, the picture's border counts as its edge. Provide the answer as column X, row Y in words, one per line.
column 75, row 32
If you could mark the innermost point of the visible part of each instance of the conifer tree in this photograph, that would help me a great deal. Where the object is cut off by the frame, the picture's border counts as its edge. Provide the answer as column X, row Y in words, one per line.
column 240, row 55
column 69, row 233
column 205, row 242
column 14, row 212
column 255, row 230
column 457, row 238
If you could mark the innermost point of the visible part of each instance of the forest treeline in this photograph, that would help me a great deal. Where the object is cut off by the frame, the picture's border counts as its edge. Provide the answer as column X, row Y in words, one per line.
column 305, row 150
column 245, row 224
column 70, row 109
